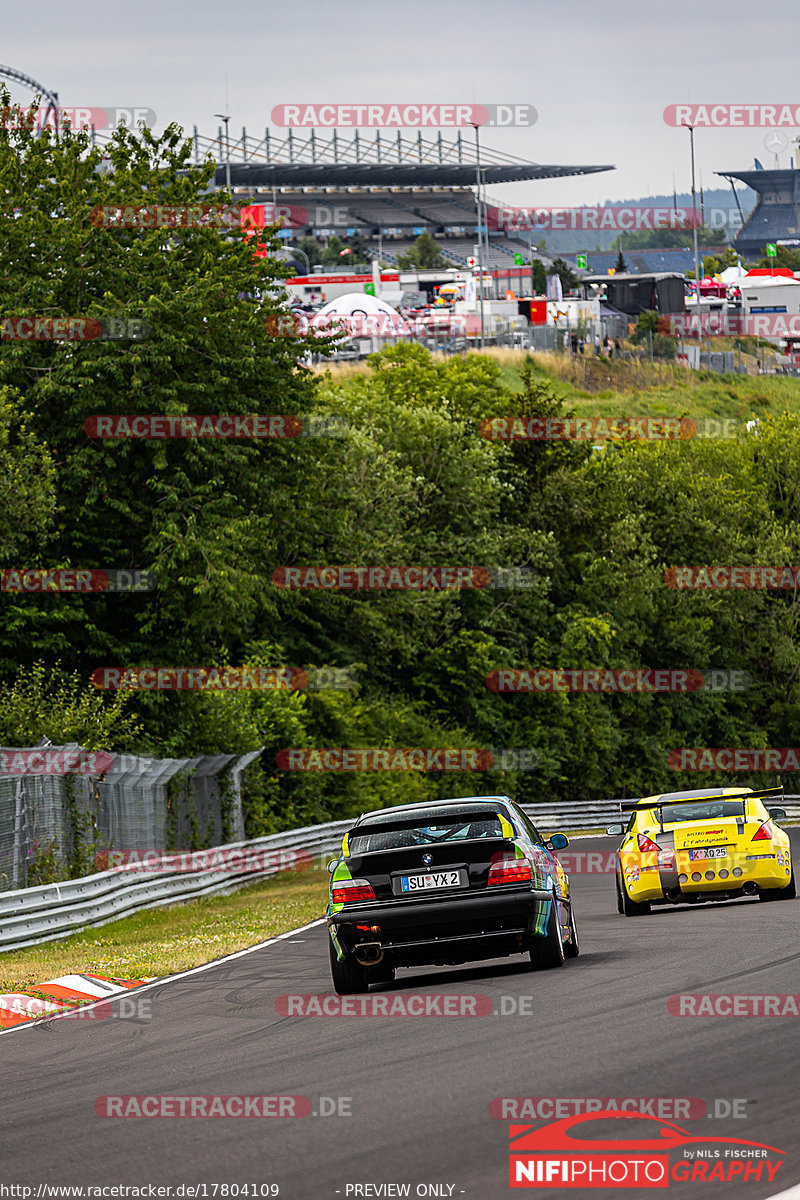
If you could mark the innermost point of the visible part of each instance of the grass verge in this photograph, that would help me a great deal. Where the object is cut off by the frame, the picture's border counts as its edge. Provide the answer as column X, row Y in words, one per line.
column 164, row 941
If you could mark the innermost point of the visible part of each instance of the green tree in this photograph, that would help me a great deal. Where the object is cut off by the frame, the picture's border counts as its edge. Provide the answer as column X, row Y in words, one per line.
column 621, row 265
column 785, row 257
column 312, row 249
column 666, row 239
column 203, row 514
column 425, row 255
column 569, row 279
column 539, row 277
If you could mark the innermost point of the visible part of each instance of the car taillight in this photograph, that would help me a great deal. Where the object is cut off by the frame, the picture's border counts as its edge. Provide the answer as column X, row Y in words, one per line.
column 763, row 833
column 510, row 870
column 349, row 891
column 646, row 843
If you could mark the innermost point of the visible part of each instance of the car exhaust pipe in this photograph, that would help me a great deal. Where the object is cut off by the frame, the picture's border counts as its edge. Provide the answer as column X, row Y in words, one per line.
column 749, row 888
column 673, row 894
column 368, row 954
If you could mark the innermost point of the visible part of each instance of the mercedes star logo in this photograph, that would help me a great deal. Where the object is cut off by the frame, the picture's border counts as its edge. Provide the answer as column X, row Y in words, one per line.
column 776, row 140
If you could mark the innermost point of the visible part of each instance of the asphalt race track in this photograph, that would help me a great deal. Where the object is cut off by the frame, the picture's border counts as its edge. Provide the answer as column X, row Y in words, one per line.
column 420, row 1088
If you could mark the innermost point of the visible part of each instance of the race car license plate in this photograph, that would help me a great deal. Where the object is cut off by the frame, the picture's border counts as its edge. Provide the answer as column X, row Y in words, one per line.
column 709, row 852
column 425, row 883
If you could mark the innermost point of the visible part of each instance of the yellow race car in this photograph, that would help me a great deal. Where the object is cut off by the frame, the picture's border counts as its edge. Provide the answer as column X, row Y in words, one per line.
column 713, row 844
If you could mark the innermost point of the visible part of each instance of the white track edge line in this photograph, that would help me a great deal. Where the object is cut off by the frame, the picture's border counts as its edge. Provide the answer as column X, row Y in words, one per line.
column 21, row 1025
column 144, row 987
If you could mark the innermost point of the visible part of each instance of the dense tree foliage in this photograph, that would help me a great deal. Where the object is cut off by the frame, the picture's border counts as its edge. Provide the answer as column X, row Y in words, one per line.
column 406, row 477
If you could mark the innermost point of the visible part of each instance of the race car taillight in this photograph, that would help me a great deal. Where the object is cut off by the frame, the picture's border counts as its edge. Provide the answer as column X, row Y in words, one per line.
column 646, row 843
column 763, row 833
column 349, row 891
column 510, row 870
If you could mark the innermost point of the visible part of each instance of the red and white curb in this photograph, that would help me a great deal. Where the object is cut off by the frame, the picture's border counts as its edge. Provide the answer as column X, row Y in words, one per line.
column 64, row 994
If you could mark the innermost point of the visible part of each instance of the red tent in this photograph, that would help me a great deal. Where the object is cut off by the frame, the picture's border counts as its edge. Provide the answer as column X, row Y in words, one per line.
column 770, row 271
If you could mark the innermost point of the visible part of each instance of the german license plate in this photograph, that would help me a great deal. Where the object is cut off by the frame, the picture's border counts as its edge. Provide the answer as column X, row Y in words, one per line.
column 426, row 883
column 709, row 852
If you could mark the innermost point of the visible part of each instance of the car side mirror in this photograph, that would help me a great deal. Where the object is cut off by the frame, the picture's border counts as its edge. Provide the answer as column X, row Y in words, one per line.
column 557, row 841
column 778, row 814
column 615, row 830
column 332, row 865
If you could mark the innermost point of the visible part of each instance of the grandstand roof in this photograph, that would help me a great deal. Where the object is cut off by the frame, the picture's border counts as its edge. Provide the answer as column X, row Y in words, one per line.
column 389, row 174
column 760, row 181
column 388, row 159
column 775, row 220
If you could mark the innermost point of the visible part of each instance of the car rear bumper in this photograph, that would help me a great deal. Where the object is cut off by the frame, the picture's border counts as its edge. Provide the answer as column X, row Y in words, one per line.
column 715, row 875
column 452, row 930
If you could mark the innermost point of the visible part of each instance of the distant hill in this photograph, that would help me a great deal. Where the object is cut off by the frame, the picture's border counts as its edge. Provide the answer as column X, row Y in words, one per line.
column 719, row 210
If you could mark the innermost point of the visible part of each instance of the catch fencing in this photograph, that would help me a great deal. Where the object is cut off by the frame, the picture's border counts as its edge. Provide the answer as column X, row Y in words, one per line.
column 42, row 914
column 57, row 822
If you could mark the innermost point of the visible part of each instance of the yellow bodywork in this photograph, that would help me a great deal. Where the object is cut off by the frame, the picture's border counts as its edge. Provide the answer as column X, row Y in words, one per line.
column 683, row 860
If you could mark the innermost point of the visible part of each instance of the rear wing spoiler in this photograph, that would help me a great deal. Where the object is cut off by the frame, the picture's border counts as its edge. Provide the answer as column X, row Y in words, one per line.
column 638, row 805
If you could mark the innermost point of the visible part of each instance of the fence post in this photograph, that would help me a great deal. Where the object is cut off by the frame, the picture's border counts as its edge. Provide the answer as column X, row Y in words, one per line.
column 19, row 821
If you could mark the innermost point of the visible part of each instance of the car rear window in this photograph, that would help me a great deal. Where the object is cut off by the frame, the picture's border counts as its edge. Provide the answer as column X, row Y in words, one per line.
column 367, row 841
column 709, row 810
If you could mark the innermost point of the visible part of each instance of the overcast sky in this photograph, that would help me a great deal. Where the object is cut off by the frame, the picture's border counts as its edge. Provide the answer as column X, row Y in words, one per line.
column 599, row 74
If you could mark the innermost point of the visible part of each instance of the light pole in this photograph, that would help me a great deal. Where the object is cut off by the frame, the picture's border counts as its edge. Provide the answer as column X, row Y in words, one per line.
column 694, row 222
column 480, row 223
column 227, row 150
column 288, row 246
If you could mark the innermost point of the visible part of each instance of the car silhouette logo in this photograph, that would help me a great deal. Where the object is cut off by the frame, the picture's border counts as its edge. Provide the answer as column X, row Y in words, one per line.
column 427, row 859
column 556, row 1135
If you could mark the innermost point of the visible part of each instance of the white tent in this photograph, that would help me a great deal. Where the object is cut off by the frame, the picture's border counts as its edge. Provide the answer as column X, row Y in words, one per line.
column 357, row 302
column 730, row 275
column 365, row 317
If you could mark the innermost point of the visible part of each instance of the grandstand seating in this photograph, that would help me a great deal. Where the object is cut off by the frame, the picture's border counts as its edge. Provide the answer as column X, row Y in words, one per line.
column 645, row 261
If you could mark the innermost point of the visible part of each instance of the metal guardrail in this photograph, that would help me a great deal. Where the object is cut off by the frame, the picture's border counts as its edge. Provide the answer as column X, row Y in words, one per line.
column 56, row 910
column 30, row 916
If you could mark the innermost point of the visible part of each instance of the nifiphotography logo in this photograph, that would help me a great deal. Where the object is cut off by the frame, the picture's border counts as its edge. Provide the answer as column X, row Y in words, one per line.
column 574, row 1153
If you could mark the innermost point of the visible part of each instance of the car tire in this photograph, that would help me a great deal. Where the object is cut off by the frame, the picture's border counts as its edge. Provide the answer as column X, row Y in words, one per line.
column 620, row 909
column 785, row 893
column 349, row 977
column 631, row 908
column 572, row 949
column 548, row 951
